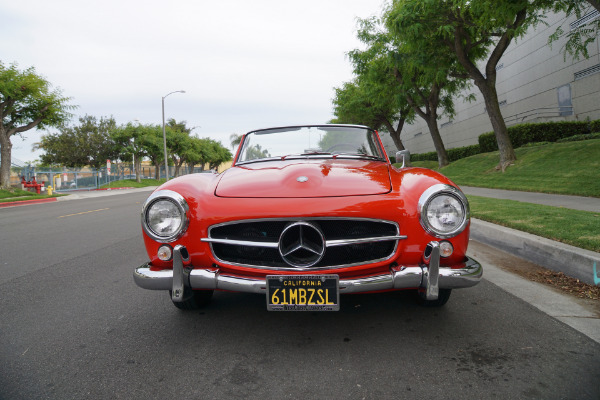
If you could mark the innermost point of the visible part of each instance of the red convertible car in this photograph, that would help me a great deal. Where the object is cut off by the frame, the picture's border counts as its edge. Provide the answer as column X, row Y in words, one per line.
column 307, row 213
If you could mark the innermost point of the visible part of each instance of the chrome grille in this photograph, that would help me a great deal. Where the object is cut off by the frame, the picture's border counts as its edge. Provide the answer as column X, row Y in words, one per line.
column 347, row 242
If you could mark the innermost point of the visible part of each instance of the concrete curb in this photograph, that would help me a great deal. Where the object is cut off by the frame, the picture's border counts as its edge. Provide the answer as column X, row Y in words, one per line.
column 27, row 202
column 572, row 261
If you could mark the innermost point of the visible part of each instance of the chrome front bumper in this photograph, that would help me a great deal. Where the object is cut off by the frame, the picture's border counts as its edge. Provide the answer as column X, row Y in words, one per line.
column 428, row 277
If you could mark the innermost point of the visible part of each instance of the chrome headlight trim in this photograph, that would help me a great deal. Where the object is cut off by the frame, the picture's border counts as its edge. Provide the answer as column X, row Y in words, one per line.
column 181, row 205
column 433, row 192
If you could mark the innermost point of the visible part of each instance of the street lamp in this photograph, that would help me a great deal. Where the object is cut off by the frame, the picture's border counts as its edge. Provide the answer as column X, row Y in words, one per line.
column 164, row 133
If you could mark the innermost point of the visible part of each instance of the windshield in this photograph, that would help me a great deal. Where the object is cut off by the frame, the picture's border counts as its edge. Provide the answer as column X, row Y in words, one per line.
column 311, row 141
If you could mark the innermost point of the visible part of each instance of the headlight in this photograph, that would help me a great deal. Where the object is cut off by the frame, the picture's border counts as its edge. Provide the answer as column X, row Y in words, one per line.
column 164, row 216
column 443, row 211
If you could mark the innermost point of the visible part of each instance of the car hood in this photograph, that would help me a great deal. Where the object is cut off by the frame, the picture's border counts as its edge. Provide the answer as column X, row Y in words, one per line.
column 318, row 178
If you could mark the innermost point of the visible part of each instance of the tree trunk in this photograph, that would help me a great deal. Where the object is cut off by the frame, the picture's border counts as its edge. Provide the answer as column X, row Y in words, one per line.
column 157, row 170
column 437, row 140
column 5, row 154
column 395, row 133
column 138, row 167
column 490, row 96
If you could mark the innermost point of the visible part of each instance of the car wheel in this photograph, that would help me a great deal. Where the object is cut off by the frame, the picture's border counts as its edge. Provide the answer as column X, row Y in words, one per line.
column 443, row 296
column 197, row 299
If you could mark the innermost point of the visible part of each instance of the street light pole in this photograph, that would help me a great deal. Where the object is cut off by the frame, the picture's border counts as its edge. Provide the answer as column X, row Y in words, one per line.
column 164, row 132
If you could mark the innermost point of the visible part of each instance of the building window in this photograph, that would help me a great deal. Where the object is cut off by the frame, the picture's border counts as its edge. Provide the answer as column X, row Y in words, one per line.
column 565, row 105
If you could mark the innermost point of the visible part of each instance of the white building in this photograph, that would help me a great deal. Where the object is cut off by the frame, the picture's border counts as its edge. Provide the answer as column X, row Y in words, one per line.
column 535, row 84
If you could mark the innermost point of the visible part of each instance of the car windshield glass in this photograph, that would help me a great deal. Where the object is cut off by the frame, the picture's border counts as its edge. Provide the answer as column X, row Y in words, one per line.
column 311, row 141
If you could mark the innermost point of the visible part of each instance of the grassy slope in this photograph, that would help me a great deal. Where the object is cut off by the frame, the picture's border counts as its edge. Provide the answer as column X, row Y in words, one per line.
column 564, row 168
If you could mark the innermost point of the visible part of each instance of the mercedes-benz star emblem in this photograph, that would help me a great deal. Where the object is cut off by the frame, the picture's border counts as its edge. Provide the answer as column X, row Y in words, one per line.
column 302, row 244
column 302, row 179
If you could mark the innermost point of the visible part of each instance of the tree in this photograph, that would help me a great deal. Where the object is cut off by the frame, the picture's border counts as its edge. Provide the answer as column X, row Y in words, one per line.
column 89, row 143
column 27, row 101
column 219, row 155
column 477, row 32
column 374, row 97
column 131, row 142
column 235, row 140
column 179, row 145
column 354, row 105
column 422, row 76
column 580, row 38
column 152, row 142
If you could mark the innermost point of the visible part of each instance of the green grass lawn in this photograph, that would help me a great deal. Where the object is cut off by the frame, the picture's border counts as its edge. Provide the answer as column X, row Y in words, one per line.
column 564, row 168
column 133, row 183
column 574, row 227
column 7, row 196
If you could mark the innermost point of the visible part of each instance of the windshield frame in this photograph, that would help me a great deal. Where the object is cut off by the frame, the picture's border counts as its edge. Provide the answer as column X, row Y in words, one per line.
column 316, row 154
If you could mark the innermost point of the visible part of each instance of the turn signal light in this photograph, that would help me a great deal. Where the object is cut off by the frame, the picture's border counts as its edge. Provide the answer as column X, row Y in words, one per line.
column 165, row 253
column 446, row 249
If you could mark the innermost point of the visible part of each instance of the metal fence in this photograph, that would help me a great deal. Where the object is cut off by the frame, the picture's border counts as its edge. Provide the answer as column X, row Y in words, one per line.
column 67, row 179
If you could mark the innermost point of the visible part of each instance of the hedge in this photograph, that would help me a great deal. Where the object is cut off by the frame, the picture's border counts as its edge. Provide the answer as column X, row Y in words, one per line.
column 453, row 154
column 540, row 132
column 521, row 135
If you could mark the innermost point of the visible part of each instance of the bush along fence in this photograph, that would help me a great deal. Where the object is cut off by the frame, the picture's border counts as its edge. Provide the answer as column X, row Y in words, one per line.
column 66, row 179
column 521, row 135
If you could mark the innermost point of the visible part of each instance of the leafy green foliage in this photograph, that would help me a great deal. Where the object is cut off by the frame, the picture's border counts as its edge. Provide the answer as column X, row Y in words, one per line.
column 453, row 154
column 88, row 143
column 579, row 39
column 27, row 101
column 523, row 134
column 477, row 33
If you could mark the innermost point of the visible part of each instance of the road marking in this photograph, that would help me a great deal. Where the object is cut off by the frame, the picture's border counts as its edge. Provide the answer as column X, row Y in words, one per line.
column 85, row 212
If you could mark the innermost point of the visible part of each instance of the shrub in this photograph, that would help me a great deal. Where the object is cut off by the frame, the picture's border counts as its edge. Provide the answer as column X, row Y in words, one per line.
column 587, row 136
column 462, row 152
column 523, row 135
column 487, row 142
column 431, row 156
column 540, row 132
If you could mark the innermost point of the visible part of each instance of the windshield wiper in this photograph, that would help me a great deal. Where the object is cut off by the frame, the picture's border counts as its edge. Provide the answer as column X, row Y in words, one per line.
column 336, row 155
column 311, row 153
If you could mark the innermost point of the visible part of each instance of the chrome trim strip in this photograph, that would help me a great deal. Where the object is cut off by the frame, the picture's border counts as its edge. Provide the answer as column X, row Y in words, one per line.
column 348, row 242
column 406, row 277
column 328, row 243
column 271, row 245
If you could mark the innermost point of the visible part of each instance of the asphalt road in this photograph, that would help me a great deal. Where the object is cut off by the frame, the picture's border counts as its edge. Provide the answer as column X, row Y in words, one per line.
column 73, row 325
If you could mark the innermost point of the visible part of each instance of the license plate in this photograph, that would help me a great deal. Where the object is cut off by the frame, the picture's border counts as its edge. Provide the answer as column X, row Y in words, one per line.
column 303, row 293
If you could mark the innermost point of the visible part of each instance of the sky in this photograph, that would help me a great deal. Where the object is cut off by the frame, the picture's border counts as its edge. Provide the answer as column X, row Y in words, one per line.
column 244, row 65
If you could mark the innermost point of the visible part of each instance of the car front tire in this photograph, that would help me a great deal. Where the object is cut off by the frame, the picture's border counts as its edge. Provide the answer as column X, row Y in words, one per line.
column 443, row 296
column 196, row 300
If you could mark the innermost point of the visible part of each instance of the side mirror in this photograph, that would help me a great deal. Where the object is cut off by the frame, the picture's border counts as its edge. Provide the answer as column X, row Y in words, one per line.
column 403, row 155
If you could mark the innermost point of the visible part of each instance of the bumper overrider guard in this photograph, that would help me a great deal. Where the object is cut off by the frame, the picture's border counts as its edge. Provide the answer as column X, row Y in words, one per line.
column 428, row 277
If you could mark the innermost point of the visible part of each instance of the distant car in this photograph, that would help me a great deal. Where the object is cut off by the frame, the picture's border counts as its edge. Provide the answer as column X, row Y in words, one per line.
column 307, row 213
